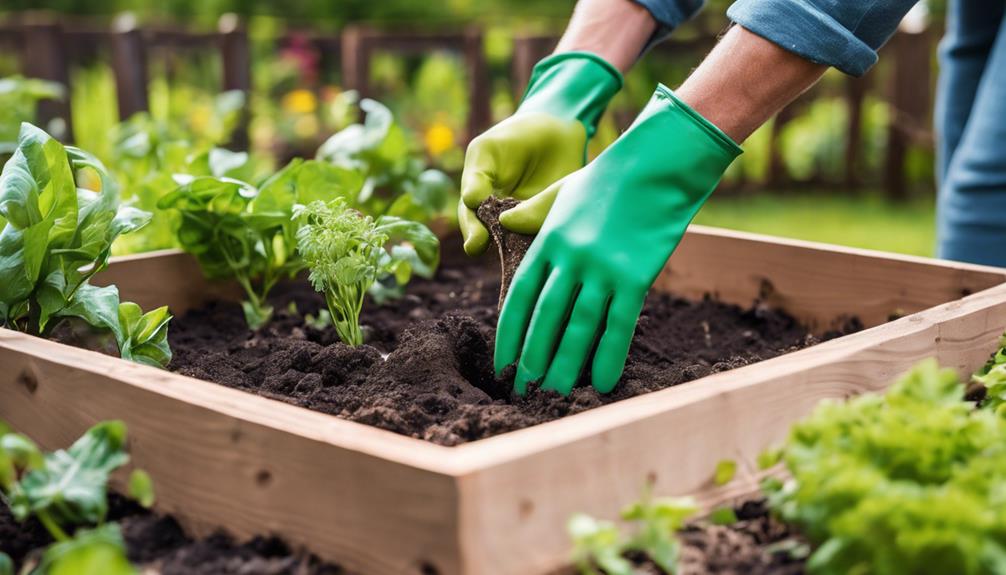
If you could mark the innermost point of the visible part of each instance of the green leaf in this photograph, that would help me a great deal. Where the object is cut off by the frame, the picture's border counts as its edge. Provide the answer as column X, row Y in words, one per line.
column 6, row 564
column 144, row 335
column 723, row 516
column 141, row 488
column 71, row 487
column 725, row 472
column 21, row 451
column 597, row 543
column 99, row 551
column 769, row 458
column 98, row 306
column 415, row 242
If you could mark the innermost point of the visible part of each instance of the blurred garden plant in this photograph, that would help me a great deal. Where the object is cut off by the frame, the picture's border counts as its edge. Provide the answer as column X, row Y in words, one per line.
column 18, row 98
column 347, row 252
column 600, row 547
column 67, row 492
column 61, row 213
column 396, row 180
column 911, row 482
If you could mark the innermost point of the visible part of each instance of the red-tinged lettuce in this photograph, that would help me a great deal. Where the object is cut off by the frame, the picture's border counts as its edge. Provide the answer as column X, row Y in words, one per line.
column 906, row 483
column 56, row 236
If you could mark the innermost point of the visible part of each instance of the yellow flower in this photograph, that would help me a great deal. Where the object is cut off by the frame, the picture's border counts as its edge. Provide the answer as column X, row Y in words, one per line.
column 199, row 118
column 300, row 102
column 439, row 138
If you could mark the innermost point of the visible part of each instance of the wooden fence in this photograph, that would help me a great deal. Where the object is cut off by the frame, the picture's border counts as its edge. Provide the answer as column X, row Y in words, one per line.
column 48, row 46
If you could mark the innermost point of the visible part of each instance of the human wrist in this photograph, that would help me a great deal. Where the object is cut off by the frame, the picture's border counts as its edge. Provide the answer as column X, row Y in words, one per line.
column 733, row 90
column 572, row 85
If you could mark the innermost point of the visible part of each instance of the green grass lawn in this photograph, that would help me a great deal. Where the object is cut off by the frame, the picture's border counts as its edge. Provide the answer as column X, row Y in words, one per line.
column 863, row 221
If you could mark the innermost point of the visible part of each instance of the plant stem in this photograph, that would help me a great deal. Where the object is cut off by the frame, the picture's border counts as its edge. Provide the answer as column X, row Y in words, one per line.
column 51, row 526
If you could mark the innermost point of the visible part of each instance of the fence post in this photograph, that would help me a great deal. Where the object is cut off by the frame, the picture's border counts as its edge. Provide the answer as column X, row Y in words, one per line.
column 527, row 51
column 43, row 56
column 855, row 93
column 909, row 105
column 236, row 56
column 478, row 83
column 356, row 60
column 129, row 64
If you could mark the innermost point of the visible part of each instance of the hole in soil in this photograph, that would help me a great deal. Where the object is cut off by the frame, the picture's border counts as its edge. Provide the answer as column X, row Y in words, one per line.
column 29, row 381
column 263, row 478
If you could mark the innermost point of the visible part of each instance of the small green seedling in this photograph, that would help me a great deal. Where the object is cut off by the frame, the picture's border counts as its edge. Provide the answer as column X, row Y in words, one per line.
column 347, row 254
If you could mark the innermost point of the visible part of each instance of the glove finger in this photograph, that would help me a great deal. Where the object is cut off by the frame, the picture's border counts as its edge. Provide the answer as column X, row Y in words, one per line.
column 545, row 328
column 478, row 175
column 612, row 350
column 577, row 341
column 517, row 308
column 475, row 235
column 527, row 217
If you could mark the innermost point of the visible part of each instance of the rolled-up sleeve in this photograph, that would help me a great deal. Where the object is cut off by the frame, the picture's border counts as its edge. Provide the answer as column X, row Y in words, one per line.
column 844, row 34
column 669, row 14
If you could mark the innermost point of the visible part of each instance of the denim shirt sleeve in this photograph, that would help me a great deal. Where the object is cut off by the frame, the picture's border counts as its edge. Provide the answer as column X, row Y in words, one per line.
column 840, row 33
column 669, row 14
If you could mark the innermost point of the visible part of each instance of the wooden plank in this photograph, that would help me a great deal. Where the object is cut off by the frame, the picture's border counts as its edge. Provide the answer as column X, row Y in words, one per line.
column 532, row 480
column 817, row 283
column 373, row 500
column 383, row 503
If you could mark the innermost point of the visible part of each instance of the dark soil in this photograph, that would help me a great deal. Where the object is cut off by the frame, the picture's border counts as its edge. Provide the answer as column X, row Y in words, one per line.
column 437, row 382
column 511, row 246
column 157, row 542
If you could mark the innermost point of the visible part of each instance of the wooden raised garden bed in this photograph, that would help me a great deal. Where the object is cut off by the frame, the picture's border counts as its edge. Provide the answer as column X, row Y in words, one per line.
column 379, row 502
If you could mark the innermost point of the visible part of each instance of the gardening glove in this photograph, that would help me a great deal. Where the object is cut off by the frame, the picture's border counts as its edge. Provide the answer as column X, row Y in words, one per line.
column 543, row 141
column 609, row 232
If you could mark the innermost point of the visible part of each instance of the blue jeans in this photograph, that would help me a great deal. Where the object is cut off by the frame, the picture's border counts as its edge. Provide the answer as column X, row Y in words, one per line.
column 971, row 131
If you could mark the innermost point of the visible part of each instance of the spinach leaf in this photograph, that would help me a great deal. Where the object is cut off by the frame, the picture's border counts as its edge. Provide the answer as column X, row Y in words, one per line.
column 57, row 236
column 98, row 551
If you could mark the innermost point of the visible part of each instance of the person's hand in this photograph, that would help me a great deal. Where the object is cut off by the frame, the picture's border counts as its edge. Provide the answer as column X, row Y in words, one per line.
column 545, row 139
column 611, row 227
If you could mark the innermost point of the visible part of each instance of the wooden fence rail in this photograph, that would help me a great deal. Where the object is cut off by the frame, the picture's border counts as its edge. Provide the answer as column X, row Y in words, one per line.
column 49, row 46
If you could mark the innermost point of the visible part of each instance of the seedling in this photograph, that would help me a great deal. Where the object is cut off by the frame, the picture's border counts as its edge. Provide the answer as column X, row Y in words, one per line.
column 346, row 253
column 656, row 521
column 58, row 234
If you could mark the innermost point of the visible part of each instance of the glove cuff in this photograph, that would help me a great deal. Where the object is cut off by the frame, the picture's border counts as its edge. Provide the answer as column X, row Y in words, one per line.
column 573, row 85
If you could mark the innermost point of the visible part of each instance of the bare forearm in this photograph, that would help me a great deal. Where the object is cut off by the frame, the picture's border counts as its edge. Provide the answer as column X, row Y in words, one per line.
column 615, row 30
column 745, row 80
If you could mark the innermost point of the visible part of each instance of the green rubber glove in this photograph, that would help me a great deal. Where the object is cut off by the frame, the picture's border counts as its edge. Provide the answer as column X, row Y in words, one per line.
column 545, row 139
column 608, row 234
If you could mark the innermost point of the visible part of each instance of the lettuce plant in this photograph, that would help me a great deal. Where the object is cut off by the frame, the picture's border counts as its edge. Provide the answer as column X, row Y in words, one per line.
column 347, row 253
column 600, row 545
column 911, row 482
column 58, row 233
column 66, row 490
column 992, row 375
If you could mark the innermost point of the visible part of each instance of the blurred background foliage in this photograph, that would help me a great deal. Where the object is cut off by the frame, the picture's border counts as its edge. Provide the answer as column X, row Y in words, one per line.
column 297, row 101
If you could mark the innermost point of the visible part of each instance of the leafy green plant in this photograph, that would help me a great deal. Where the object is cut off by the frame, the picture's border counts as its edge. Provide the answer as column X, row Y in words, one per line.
column 66, row 490
column 347, row 253
column 992, row 375
column 911, row 482
column 62, row 213
column 396, row 180
column 655, row 520
column 18, row 99
column 239, row 231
